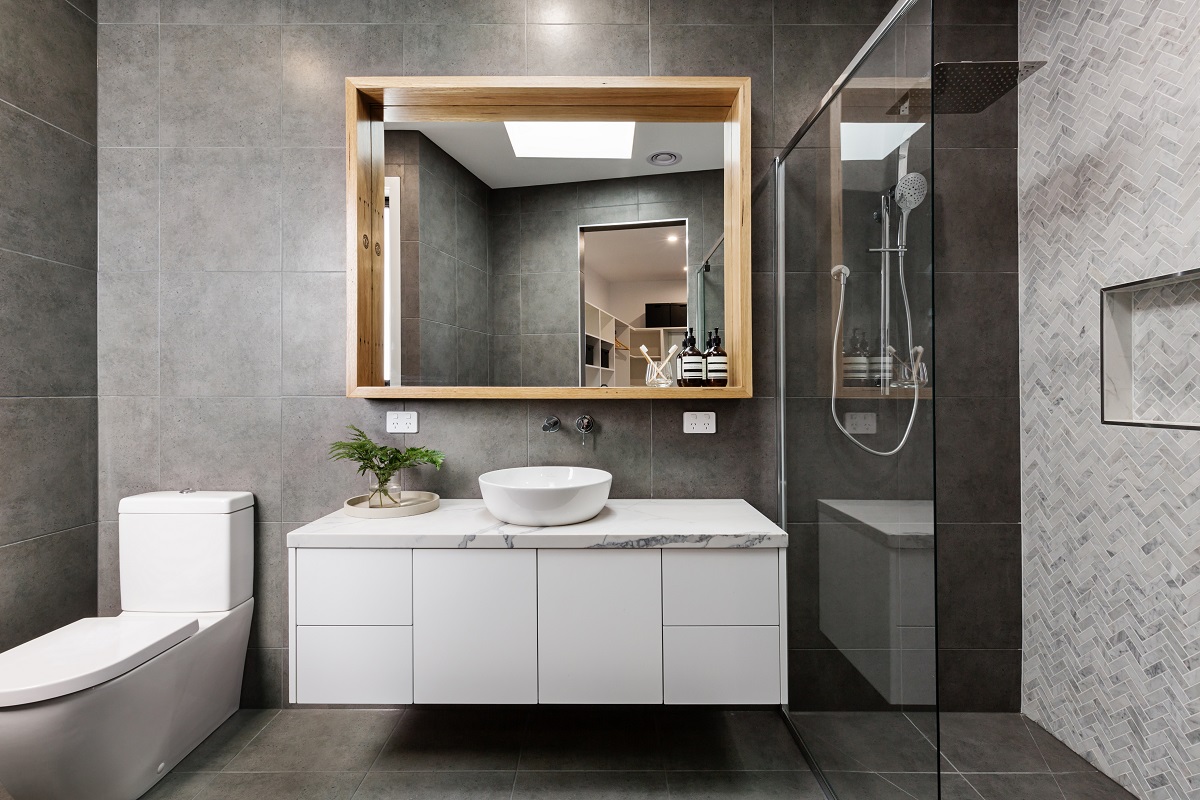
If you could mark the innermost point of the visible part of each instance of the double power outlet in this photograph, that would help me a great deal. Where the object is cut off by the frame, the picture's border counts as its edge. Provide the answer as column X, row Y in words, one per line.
column 401, row 422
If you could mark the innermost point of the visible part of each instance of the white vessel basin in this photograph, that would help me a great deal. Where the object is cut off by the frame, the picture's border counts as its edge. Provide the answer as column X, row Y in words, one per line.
column 541, row 496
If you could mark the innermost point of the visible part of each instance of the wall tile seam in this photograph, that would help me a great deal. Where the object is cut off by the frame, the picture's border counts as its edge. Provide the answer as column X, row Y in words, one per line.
column 80, row 10
column 47, row 123
column 89, row 524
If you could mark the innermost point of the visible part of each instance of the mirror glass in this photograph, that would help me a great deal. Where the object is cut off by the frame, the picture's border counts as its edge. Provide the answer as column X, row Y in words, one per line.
column 548, row 253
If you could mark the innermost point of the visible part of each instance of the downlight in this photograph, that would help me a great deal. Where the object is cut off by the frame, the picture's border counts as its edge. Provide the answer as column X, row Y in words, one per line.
column 664, row 158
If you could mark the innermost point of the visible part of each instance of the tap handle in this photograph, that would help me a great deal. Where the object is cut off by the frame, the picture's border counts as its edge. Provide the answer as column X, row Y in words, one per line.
column 551, row 425
column 585, row 425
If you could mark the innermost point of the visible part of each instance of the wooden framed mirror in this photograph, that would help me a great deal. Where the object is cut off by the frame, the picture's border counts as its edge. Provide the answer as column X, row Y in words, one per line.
column 466, row 267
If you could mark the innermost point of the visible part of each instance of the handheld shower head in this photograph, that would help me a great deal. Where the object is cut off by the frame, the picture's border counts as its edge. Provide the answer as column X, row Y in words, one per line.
column 911, row 191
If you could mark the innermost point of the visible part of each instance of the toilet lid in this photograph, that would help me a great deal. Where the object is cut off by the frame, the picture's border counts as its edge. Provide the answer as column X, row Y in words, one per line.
column 86, row 653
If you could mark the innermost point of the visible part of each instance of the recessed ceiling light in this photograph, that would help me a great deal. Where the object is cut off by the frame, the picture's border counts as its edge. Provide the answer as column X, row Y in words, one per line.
column 542, row 139
column 873, row 141
column 664, row 158
column 672, row 238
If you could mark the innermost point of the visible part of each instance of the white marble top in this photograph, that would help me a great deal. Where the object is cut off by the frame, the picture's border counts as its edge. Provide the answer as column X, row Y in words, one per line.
column 895, row 523
column 622, row 523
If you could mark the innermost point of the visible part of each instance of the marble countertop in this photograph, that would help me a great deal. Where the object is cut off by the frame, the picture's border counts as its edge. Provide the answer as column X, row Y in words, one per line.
column 905, row 524
column 622, row 523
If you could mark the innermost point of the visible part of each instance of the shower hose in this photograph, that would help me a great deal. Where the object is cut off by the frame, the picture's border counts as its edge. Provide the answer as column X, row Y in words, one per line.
column 841, row 273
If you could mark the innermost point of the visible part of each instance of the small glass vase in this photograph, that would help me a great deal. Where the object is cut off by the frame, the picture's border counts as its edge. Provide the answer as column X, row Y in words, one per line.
column 385, row 495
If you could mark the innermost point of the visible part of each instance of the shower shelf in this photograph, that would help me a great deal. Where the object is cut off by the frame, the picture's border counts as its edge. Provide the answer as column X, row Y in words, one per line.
column 1150, row 352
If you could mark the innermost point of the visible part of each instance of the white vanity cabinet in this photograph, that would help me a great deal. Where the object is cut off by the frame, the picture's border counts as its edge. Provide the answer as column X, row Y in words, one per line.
column 600, row 626
column 352, row 626
column 475, row 637
column 431, row 610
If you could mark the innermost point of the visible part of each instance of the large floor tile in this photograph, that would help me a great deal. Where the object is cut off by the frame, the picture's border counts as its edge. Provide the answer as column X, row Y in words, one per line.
column 215, row 752
column 1090, row 786
column 866, row 741
column 1059, row 757
column 866, row 786
column 590, row 786
column 436, row 786
column 989, row 743
column 175, row 786
column 1006, row 786
column 282, row 786
column 318, row 741
column 722, row 739
column 743, row 785
column 449, row 739
column 591, row 738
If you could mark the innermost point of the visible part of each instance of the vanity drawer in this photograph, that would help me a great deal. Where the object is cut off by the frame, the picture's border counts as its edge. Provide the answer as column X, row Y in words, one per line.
column 353, row 586
column 721, row 665
column 720, row 587
column 354, row 664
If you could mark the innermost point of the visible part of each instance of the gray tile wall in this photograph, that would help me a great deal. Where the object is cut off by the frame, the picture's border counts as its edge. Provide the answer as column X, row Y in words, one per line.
column 445, row 327
column 47, row 317
column 534, row 250
column 1108, row 194
column 221, row 365
column 978, row 390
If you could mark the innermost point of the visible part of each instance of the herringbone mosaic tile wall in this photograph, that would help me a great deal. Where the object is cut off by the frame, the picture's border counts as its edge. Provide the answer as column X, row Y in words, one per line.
column 1166, row 352
column 1109, row 192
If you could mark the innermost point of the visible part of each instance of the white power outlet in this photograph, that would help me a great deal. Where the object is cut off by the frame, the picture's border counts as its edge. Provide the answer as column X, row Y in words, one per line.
column 401, row 422
column 861, row 423
column 699, row 422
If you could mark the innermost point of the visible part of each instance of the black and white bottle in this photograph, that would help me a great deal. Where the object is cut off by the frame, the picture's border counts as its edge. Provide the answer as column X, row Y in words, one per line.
column 691, row 363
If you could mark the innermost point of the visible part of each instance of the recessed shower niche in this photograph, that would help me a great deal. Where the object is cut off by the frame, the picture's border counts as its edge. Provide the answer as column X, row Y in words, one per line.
column 1150, row 352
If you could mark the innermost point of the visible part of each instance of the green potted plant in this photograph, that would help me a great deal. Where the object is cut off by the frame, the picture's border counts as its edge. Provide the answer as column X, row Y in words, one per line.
column 383, row 463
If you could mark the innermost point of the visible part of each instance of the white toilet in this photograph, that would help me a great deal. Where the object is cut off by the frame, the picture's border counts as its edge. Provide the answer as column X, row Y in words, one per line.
column 104, row 707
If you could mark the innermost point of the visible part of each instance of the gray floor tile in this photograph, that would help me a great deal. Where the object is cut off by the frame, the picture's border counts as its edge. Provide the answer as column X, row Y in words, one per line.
column 954, row 787
column 743, row 785
column 282, row 786
column 1059, row 757
column 1007, row 786
column 436, row 786
column 590, row 785
column 865, row 786
column 1090, row 786
column 924, row 785
column 179, row 786
column 721, row 739
column 450, row 739
column 215, row 752
column 989, row 743
column 318, row 741
column 866, row 741
column 591, row 738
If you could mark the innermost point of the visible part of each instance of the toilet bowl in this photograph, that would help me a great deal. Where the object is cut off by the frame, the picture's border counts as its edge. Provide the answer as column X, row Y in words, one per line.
column 104, row 707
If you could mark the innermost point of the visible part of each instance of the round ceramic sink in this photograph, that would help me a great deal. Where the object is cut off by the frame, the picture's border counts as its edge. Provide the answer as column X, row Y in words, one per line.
column 542, row 496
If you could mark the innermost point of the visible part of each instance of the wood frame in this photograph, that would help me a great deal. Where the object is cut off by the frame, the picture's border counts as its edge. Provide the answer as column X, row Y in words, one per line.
column 371, row 101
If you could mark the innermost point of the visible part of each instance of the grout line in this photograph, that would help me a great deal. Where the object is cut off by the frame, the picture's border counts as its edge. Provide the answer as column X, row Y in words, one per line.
column 47, row 122
column 274, row 717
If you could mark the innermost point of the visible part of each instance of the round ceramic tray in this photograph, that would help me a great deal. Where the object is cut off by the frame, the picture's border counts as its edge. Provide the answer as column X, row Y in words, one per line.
column 411, row 504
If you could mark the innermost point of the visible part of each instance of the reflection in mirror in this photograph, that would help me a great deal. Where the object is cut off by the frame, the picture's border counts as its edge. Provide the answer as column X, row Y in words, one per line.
column 492, row 262
column 635, row 279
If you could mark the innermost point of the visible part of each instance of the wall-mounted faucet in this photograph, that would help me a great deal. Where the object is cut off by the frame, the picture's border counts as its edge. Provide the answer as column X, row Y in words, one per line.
column 551, row 425
column 584, row 425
